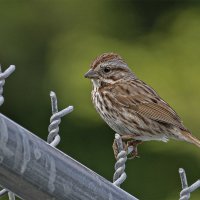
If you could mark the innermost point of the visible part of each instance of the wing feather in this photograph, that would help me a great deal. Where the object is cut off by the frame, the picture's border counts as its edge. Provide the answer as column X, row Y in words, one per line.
column 149, row 105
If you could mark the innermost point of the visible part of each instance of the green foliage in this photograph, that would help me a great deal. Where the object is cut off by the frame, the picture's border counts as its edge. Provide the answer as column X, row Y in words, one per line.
column 52, row 43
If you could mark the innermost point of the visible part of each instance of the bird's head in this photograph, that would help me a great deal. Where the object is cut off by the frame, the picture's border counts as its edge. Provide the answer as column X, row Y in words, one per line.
column 108, row 68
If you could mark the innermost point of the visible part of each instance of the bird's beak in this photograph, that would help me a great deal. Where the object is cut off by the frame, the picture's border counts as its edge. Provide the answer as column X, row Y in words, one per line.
column 91, row 74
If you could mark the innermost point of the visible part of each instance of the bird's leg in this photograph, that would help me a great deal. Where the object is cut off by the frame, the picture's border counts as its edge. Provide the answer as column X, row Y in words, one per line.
column 128, row 141
column 132, row 143
column 134, row 151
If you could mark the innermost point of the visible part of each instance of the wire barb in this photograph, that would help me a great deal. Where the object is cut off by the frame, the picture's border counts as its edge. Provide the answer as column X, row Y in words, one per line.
column 3, row 192
column 53, row 138
column 3, row 76
column 120, row 175
column 185, row 193
column 11, row 196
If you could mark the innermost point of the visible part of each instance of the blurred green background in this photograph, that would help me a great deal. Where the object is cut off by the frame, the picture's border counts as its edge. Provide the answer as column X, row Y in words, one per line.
column 52, row 44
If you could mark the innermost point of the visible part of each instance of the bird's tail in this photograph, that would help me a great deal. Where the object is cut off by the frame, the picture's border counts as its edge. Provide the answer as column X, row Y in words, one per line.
column 190, row 138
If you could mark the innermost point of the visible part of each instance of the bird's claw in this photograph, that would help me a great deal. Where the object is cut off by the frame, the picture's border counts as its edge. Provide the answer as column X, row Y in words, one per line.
column 130, row 146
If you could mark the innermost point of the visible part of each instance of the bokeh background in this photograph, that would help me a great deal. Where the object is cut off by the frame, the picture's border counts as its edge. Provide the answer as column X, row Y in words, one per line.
column 52, row 44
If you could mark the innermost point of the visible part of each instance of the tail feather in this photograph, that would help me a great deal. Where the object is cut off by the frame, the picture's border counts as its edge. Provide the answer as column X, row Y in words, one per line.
column 190, row 138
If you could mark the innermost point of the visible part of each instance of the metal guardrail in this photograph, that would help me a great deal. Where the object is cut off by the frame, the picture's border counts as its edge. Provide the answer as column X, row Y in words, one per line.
column 33, row 169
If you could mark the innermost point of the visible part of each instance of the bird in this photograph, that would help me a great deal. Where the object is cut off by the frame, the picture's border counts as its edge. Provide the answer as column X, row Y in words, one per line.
column 132, row 108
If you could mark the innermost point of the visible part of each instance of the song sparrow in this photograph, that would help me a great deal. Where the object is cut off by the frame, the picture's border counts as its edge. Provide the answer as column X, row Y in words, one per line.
column 131, row 107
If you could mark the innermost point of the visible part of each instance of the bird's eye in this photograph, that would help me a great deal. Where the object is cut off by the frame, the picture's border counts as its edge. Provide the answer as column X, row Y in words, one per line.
column 106, row 69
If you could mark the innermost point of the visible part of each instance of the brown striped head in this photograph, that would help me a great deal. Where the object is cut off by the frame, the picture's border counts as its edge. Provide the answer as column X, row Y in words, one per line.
column 108, row 68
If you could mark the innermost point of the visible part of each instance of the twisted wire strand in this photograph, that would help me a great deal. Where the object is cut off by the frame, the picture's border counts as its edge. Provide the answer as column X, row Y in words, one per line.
column 184, row 184
column 120, row 175
column 3, row 192
column 53, row 138
column 11, row 196
column 3, row 76
column 185, row 193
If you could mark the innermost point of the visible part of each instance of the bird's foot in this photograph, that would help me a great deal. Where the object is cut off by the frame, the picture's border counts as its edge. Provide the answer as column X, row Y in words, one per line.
column 129, row 145
column 132, row 150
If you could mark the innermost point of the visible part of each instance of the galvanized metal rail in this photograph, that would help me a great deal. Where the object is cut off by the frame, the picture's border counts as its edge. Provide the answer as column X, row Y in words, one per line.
column 33, row 169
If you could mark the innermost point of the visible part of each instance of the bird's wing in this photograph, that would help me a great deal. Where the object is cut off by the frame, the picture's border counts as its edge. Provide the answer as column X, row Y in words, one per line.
column 149, row 105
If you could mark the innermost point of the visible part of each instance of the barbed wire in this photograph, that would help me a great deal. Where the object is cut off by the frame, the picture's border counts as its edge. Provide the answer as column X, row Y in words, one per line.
column 120, row 174
column 11, row 195
column 185, row 193
column 54, row 138
column 3, row 192
column 3, row 76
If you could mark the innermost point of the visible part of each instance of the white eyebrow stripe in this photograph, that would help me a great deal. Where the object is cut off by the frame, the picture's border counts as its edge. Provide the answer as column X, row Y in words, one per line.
column 113, row 63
